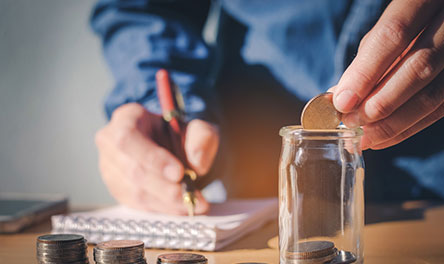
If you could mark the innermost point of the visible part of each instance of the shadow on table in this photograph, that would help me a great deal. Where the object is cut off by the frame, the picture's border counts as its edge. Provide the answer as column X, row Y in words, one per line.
column 412, row 210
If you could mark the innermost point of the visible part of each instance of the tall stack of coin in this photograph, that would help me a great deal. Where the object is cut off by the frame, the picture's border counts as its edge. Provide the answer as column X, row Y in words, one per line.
column 120, row 251
column 62, row 248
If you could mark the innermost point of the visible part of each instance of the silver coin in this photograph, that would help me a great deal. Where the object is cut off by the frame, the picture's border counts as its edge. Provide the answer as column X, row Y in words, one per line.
column 320, row 113
column 343, row 257
column 61, row 255
column 59, row 238
column 59, row 262
column 61, row 248
column 62, row 259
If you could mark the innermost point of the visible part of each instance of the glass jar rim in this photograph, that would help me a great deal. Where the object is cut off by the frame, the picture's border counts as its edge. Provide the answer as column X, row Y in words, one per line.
column 342, row 132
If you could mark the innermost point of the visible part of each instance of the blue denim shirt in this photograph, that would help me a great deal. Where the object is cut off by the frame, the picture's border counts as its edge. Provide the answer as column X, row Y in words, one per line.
column 306, row 45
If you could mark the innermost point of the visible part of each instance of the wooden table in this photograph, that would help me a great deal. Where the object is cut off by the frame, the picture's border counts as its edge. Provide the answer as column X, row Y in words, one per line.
column 412, row 232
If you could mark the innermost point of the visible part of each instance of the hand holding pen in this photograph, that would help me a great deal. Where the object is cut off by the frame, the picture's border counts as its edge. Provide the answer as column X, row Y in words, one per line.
column 137, row 168
column 173, row 112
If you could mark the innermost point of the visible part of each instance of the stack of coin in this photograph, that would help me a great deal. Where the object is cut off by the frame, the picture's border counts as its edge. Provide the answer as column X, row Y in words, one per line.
column 313, row 252
column 120, row 251
column 181, row 258
column 62, row 248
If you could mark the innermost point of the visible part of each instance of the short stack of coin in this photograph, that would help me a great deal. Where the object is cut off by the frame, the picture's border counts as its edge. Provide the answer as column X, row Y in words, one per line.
column 120, row 251
column 62, row 248
column 313, row 252
column 181, row 258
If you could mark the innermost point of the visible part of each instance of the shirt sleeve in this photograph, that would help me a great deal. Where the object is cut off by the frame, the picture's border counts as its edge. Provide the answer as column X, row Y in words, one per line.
column 141, row 36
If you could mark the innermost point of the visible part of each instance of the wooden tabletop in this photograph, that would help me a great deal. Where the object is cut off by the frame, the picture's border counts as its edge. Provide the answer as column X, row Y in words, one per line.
column 411, row 232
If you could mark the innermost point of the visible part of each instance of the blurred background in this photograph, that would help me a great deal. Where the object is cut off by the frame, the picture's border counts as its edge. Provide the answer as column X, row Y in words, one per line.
column 53, row 81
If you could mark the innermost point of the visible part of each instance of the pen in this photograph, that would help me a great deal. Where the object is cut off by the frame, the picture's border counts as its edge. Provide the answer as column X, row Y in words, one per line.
column 172, row 105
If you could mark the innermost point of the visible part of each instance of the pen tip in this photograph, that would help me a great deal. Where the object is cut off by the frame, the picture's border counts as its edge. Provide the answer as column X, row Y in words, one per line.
column 190, row 211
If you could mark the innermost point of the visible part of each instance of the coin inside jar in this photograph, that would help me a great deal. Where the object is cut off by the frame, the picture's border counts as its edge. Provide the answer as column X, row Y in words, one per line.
column 343, row 257
column 313, row 252
column 181, row 258
column 320, row 113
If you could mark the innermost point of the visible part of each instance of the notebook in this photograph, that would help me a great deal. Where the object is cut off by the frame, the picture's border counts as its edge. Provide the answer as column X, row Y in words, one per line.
column 225, row 223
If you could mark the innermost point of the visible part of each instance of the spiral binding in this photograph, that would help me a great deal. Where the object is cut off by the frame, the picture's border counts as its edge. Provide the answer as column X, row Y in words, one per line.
column 155, row 234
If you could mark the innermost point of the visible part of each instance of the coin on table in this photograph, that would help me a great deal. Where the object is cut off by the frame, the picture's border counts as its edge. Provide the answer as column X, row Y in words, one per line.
column 120, row 251
column 60, row 238
column 181, row 258
column 61, row 248
column 320, row 113
column 116, row 244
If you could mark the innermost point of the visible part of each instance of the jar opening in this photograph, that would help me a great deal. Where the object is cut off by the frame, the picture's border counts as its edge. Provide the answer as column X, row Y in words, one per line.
column 296, row 131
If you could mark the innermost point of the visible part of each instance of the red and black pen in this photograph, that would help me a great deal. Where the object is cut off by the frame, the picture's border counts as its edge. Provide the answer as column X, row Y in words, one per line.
column 172, row 106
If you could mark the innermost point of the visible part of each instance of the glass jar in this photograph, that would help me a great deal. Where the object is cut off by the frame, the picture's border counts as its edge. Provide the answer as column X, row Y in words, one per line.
column 321, row 196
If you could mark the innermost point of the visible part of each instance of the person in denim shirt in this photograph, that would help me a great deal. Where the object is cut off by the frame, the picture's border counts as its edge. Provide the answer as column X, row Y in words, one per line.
column 247, row 67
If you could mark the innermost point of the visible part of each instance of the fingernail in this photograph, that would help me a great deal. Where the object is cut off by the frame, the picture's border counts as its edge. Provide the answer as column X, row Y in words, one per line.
column 172, row 172
column 196, row 158
column 352, row 120
column 345, row 101
column 331, row 89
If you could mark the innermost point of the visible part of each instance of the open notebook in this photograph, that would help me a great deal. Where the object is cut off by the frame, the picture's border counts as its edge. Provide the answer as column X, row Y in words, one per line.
column 225, row 223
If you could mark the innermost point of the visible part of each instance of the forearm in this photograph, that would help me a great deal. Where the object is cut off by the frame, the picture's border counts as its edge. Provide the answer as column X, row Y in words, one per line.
column 139, row 37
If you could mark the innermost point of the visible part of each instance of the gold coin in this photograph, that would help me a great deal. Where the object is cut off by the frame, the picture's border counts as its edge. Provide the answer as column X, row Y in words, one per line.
column 320, row 113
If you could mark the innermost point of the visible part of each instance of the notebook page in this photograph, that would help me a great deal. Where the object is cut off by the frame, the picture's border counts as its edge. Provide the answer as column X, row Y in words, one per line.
column 222, row 216
column 225, row 223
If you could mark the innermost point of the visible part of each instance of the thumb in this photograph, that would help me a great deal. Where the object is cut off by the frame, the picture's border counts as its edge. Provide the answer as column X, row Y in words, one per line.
column 201, row 144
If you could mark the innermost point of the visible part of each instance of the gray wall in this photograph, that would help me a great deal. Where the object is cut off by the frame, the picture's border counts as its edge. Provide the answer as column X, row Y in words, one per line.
column 53, row 80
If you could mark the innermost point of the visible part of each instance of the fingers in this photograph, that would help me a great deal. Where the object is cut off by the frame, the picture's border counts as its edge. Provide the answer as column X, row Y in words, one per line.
column 415, row 70
column 140, row 195
column 400, row 23
column 424, row 123
column 136, row 169
column 132, row 140
column 201, row 144
column 422, row 109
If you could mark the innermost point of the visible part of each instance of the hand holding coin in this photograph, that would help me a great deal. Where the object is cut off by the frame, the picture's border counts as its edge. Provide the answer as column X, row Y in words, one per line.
column 320, row 113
